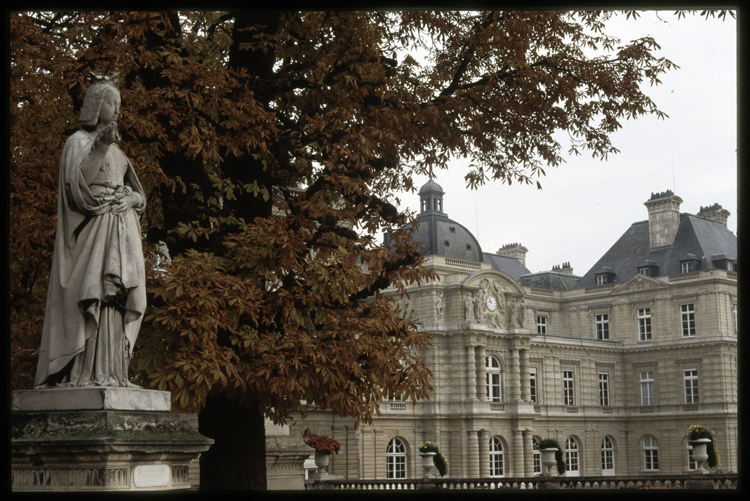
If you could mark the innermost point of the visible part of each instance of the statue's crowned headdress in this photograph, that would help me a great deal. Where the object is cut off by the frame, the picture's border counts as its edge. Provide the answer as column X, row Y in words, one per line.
column 92, row 103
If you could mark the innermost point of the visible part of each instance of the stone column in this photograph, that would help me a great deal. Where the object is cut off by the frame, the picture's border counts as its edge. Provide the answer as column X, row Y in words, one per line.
column 517, row 453
column 528, row 453
column 472, row 450
column 514, row 377
column 484, row 453
column 471, row 374
column 525, row 376
column 481, row 355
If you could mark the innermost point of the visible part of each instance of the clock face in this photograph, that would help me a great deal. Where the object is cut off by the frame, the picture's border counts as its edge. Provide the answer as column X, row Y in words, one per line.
column 491, row 303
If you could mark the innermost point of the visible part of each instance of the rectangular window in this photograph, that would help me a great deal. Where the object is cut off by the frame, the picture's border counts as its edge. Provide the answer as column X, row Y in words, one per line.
column 647, row 388
column 541, row 325
column 532, row 385
column 604, row 389
column 644, row 324
column 691, row 386
column 602, row 326
column 730, row 266
column 601, row 279
column 686, row 266
column 568, row 391
column 687, row 314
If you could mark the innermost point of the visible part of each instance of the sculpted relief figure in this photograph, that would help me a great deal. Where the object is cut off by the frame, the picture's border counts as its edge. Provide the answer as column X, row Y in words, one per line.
column 97, row 290
column 440, row 306
column 479, row 306
column 513, row 312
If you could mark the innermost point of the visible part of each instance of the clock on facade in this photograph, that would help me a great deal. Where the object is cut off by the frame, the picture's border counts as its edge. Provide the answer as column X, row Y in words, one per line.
column 491, row 303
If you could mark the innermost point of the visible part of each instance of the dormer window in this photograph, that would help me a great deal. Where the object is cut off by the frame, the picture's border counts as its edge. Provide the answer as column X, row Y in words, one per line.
column 722, row 262
column 606, row 276
column 690, row 263
column 648, row 270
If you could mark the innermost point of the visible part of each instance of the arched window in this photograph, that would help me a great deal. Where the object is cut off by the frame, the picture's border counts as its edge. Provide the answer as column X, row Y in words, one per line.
column 396, row 459
column 492, row 369
column 650, row 454
column 497, row 465
column 608, row 457
column 572, row 468
column 536, row 456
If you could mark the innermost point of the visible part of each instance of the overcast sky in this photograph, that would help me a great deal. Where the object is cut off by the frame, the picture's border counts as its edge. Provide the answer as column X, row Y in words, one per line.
column 585, row 204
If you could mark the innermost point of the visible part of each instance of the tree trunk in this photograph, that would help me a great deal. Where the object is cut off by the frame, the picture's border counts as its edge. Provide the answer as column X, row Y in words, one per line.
column 237, row 460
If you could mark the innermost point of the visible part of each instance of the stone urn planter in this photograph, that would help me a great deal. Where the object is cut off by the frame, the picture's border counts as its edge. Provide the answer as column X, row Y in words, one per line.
column 321, row 461
column 700, row 452
column 428, row 462
column 548, row 459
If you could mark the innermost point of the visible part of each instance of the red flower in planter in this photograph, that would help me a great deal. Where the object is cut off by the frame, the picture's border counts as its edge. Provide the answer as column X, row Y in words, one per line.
column 324, row 445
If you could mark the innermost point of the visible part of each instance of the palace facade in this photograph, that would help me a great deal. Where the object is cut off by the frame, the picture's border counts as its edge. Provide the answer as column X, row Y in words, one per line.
column 615, row 364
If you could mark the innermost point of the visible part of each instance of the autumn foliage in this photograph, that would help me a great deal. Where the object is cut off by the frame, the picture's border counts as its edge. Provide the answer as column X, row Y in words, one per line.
column 273, row 147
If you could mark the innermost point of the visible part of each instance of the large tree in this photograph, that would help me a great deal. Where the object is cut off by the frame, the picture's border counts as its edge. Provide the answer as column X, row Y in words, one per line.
column 273, row 147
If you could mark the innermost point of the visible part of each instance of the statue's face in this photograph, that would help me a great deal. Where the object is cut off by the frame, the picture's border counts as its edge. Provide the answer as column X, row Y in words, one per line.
column 110, row 107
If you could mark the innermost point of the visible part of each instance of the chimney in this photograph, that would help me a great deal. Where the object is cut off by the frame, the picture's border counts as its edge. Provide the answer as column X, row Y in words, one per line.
column 514, row 250
column 663, row 218
column 715, row 213
column 566, row 269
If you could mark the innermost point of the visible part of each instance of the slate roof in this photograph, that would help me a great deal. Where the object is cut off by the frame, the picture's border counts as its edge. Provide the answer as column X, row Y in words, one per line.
column 508, row 265
column 442, row 236
column 698, row 236
column 552, row 280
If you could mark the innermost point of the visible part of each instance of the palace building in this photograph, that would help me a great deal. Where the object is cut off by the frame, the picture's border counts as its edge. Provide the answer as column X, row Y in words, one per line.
column 615, row 364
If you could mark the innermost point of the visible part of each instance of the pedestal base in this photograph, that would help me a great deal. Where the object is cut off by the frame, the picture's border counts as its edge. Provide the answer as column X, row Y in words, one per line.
column 102, row 447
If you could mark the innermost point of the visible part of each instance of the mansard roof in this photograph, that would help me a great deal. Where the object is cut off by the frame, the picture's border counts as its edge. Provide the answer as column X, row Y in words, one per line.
column 698, row 236
column 552, row 280
column 508, row 265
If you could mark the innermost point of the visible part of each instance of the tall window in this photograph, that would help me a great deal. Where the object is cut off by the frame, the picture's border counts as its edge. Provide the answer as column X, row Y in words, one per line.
column 572, row 467
column 650, row 454
column 603, row 389
column 492, row 370
column 734, row 312
column 536, row 456
column 568, row 388
column 496, row 458
column 396, row 459
column 687, row 313
column 602, row 326
column 691, row 386
column 608, row 457
column 601, row 279
column 647, row 388
column 686, row 266
column 644, row 324
column 532, row 384
column 541, row 325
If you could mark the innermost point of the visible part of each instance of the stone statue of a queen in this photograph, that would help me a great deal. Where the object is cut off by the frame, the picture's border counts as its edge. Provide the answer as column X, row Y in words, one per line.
column 97, row 291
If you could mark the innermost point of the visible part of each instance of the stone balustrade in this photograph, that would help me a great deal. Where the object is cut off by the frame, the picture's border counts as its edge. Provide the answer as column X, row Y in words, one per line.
column 679, row 481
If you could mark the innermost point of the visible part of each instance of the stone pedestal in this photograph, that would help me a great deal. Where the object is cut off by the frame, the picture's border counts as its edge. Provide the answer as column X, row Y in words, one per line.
column 100, row 439
column 285, row 459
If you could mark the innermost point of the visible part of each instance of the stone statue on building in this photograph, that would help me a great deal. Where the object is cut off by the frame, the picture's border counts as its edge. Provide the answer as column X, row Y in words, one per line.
column 97, row 290
column 479, row 306
column 513, row 312
column 469, row 307
column 440, row 306
column 521, row 312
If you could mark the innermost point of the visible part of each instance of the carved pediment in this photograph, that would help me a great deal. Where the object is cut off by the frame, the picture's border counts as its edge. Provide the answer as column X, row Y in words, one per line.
column 494, row 282
column 639, row 283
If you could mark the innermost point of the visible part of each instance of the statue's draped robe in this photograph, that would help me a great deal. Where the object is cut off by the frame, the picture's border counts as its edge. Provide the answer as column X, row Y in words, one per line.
column 96, row 252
